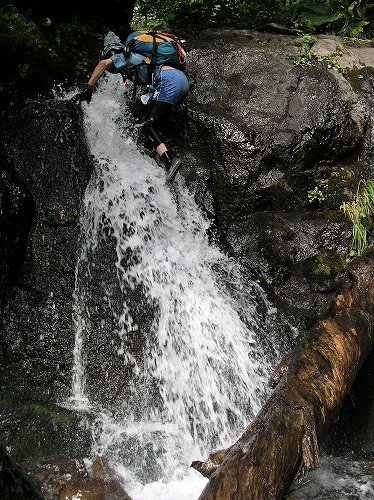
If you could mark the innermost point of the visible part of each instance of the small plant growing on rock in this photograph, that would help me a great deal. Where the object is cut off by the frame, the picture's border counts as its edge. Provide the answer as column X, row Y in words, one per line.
column 361, row 212
column 318, row 193
column 306, row 43
column 261, row 41
column 309, row 56
column 315, row 194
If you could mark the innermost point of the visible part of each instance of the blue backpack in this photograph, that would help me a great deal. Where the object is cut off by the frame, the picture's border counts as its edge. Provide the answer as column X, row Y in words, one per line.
column 153, row 49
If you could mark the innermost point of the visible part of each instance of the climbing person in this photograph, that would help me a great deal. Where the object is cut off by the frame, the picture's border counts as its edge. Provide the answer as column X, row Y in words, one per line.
column 166, row 85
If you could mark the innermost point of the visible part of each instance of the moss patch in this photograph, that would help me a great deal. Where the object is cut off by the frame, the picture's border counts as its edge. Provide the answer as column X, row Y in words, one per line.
column 33, row 431
column 53, row 411
column 321, row 267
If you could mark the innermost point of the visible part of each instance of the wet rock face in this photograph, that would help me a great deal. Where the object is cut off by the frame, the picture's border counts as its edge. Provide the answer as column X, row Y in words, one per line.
column 45, row 147
column 16, row 209
column 44, row 142
column 277, row 118
column 12, row 482
column 301, row 256
column 282, row 147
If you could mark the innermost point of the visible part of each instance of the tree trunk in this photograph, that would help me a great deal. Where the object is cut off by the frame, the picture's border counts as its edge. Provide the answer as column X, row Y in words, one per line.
column 311, row 382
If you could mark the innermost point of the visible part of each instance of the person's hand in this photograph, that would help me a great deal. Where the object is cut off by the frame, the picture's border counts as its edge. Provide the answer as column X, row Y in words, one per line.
column 85, row 94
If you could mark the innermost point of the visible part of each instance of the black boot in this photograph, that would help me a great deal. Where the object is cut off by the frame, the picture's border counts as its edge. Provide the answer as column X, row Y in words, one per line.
column 173, row 170
column 167, row 158
column 153, row 154
column 171, row 163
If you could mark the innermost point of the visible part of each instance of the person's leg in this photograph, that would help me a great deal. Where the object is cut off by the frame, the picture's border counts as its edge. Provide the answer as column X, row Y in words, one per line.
column 140, row 110
column 159, row 112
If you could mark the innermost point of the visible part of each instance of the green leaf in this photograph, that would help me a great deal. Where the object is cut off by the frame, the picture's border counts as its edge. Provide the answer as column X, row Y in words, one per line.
column 315, row 19
column 315, row 7
column 356, row 28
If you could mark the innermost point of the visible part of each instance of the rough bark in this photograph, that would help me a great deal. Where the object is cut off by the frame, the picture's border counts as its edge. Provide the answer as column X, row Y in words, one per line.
column 311, row 382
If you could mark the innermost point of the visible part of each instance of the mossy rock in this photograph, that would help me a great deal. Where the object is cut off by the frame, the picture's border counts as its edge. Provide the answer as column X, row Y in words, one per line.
column 322, row 267
column 33, row 432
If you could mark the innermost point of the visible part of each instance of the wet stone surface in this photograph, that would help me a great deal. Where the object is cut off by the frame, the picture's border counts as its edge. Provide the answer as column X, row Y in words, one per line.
column 69, row 478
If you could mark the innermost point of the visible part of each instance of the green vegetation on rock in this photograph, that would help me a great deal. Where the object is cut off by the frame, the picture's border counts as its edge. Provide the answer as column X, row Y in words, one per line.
column 343, row 17
column 361, row 212
column 323, row 267
column 308, row 56
column 33, row 431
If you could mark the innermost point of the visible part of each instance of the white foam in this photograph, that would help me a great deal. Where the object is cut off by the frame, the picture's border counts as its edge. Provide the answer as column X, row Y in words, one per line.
column 202, row 352
column 337, row 478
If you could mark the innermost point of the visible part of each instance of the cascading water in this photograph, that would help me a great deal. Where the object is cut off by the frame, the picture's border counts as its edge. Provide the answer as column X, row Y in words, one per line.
column 166, row 355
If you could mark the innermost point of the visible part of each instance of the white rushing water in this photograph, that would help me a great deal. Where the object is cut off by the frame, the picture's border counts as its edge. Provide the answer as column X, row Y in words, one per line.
column 201, row 352
column 337, row 479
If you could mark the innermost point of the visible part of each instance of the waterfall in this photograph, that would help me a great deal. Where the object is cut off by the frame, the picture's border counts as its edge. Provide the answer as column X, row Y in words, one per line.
column 168, row 359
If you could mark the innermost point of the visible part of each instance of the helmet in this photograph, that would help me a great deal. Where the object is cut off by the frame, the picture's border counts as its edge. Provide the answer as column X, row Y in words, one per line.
column 106, row 52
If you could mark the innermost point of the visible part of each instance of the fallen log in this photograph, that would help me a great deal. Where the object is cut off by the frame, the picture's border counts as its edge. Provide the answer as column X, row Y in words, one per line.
column 310, row 385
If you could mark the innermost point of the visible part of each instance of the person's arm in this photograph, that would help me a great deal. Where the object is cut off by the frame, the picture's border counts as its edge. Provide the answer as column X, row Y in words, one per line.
column 86, row 93
column 99, row 70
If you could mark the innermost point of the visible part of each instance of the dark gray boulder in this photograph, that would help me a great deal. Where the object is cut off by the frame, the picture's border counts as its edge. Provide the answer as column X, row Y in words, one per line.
column 45, row 147
column 301, row 256
column 12, row 482
column 281, row 146
column 16, row 210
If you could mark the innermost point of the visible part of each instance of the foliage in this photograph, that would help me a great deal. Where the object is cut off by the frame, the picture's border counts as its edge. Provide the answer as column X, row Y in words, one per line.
column 191, row 15
column 308, row 56
column 29, row 45
column 22, row 30
column 346, row 17
column 361, row 212
column 316, row 194
column 69, row 38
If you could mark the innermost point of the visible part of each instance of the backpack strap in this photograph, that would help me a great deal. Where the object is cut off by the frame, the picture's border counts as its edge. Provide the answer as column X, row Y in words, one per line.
column 152, row 66
column 135, row 83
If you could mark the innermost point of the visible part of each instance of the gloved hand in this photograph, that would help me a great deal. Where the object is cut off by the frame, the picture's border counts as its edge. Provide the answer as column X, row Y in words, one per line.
column 85, row 94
